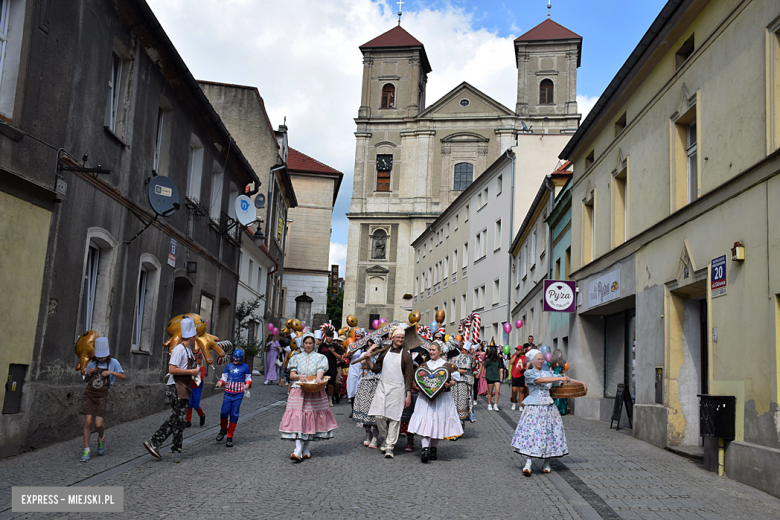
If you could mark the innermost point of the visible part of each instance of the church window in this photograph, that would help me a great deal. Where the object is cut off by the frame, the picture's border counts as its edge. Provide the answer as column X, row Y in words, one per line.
column 382, row 181
column 464, row 173
column 388, row 96
column 546, row 91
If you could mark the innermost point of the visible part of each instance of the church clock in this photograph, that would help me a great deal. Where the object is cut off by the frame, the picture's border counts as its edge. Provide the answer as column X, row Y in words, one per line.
column 384, row 163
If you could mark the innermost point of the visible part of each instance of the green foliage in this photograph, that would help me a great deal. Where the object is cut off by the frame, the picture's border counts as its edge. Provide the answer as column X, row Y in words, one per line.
column 245, row 314
column 335, row 306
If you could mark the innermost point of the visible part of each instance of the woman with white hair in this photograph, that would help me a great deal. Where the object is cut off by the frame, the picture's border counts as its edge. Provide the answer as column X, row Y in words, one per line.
column 308, row 416
column 540, row 430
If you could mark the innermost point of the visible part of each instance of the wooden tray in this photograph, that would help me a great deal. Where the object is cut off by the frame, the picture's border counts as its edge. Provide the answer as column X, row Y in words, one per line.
column 311, row 386
column 568, row 391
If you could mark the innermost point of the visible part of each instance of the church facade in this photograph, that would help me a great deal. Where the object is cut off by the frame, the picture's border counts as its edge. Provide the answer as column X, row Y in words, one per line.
column 413, row 160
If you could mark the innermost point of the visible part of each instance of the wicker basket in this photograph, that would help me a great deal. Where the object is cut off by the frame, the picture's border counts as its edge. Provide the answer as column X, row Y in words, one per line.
column 311, row 386
column 568, row 391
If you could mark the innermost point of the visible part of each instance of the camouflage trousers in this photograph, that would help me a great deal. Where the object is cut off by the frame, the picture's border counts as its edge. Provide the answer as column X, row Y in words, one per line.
column 173, row 424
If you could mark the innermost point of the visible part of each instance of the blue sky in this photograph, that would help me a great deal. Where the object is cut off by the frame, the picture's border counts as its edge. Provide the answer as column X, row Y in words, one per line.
column 298, row 52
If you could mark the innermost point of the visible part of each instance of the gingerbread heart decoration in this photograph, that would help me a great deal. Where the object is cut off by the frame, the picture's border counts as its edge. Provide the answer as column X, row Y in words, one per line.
column 431, row 382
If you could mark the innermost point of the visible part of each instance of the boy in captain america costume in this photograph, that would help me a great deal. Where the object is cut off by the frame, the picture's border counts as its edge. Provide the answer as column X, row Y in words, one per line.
column 236, row 378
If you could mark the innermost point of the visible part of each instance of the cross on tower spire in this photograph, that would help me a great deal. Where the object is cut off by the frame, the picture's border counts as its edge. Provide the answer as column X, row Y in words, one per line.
column 548, row 8
column 400, row 3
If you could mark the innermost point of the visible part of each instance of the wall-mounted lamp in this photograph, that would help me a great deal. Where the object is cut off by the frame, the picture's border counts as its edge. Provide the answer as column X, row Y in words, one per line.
column 738, row 252
column 192, row 267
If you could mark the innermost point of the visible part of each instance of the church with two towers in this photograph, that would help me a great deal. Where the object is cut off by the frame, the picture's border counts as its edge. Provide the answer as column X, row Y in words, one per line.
column 412, row 160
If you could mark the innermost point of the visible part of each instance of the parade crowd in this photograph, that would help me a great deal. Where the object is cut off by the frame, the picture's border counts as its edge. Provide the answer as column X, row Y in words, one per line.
column 422, row 390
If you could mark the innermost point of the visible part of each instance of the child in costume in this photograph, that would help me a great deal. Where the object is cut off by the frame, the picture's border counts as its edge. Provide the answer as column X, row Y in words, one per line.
column 236, row 378
column 100, row 373
column 197, row 391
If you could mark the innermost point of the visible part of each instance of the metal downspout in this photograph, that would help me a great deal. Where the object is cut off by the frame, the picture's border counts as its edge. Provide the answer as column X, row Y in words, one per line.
column 511, row 235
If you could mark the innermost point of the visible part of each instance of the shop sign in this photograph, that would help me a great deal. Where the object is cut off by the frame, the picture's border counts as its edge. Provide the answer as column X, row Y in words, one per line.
column 604, row 289
column 718, row 276
column 559, row 296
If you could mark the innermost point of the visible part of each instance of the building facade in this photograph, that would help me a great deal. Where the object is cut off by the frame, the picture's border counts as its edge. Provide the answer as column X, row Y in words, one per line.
column 675, row 237
column 307, row 265
column 124, row 108
column 412, row 160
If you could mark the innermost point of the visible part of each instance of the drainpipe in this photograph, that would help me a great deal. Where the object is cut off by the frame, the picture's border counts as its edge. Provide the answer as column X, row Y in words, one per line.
column 511, row 235
column 551, row 189
column 269, row 201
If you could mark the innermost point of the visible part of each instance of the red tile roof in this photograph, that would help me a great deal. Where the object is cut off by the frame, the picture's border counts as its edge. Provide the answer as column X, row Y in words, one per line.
column 548, row 30
column 563, row 169
column 398, row 37
column 300, row 162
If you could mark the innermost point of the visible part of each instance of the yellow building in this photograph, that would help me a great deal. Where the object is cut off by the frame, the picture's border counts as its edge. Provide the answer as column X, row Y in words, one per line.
column 675, row 164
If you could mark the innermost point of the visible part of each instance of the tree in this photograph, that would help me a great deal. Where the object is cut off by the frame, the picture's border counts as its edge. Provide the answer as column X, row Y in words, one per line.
column 245, row 316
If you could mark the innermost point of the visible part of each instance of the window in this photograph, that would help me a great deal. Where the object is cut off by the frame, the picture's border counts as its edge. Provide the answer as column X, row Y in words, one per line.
column 525, row 260
column 589, row 230
column 464, row 173
column 546, row 91
column 250, row 271
column 620, row 124
column 497, row 236
column 485, row 198
column 686, row 49
column 466, row 216
column 558, row 269
column 444, row 308
column 416, row 285
column 206, row 308
column 448, row 230
column 463, row 311
column 159, row 138
column 446, row 270
column 194, row 168
column 90, row 286
column 620, row 207
column 482, row 296
column 217, row 180
column 476, row 298
column 259, row 278
column 145, row 303
column 417, row 255
column 499, row 185
column 231, row 210
column 430, row 276
column 691, row 152
column 430, row 245
column 533, row 247
column 454, row 261
column 11, row 28
column 456, row 222
column 518, row 268
column 466, row 254
column 478, row 251
column 139, row 306
column 452, row 311
column 388, row 96
column 590, row 159
column 383, row 181
column 496, row 291
column 567, row 259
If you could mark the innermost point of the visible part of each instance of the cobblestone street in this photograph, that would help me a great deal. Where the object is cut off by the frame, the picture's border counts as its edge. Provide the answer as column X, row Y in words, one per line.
column 608, row 474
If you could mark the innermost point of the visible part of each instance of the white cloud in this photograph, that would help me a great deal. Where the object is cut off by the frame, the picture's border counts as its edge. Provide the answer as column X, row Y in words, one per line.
column 585, row 104
column 338, row 255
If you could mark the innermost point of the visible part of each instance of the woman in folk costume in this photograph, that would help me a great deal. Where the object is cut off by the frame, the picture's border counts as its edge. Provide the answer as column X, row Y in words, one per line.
column 437, row 418
column 361, row 402
column 461, row 392
column 355, row 373
column 540, row 430
column 271, row 354
column 308, row 416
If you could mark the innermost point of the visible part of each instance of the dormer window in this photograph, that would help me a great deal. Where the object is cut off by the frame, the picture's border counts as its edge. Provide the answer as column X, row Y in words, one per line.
column 546, row 91
column 388, row 96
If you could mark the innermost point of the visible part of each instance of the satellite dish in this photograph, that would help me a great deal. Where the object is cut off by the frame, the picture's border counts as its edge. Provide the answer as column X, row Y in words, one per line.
column 163, row 195
column 245, row 213
column 260, row 201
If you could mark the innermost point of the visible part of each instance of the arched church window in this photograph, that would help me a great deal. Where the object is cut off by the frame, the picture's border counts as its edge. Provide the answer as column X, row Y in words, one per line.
column 388, row 96
column 546, row 91
column 379, row 245
column 464, row 174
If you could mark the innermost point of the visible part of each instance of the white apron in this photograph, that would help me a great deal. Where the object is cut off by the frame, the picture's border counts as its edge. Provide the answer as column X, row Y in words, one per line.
column 391, row 392
column 355, row 374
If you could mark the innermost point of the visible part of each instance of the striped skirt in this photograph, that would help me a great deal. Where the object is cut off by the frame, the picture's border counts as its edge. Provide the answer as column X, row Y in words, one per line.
column 307, row 417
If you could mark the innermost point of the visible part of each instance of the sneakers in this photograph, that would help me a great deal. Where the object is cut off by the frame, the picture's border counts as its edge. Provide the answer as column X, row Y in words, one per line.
column 221, row 435
column 84, row 456
column 389, row 454
column 546, row 468
column 495, row 407
column 490, row 407
column 425, row 455
column 296, row 457
column 306, row 454
column 409, row 446
column 382, row 448
column 472, row 418
column 373, row 443
column 330, row 402
column 527, row 468
column 265, row 382
column 152, row 449
column 514, row 406
column 101, row 446
column 229, row 443
column 176, row 457
column 475, row 401
column 188, row 424
column 203, row 419
column 367, row 440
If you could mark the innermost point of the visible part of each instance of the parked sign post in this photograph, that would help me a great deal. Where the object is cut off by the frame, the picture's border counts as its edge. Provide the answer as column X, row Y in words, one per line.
column 718, row 276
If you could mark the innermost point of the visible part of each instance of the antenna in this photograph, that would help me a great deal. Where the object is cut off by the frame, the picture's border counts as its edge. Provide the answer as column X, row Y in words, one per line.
column 400, row 3
column 548, row 8
column 245, row 213
column 163, row 196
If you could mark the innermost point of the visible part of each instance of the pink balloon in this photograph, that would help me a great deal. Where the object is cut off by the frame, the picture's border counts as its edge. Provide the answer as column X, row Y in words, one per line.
column 382, row 321
column 507, row 327
column 375, row 324
column 270, row 327
column 548, row 357
column 519, row 324
column 275, row 331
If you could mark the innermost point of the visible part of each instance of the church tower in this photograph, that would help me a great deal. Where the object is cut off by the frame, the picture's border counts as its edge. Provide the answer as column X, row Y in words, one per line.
column 395, row 73
column 547, row 60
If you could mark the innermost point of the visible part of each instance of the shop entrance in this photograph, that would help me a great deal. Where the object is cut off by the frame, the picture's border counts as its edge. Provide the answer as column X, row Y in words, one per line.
column 620, row 352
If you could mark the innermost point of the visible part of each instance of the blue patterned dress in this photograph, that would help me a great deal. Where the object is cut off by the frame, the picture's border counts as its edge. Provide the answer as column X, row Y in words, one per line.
column 540, row 430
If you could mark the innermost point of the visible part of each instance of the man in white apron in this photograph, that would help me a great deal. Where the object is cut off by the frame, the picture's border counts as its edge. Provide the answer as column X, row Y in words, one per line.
column 394, row 392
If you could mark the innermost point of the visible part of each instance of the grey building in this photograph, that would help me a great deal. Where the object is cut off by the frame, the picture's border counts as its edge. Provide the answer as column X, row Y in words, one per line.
column 101, row 104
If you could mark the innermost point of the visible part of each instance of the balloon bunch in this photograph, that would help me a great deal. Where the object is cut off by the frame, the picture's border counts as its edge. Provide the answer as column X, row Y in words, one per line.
column 272, row 329
column 508, row 326
column 378, row 323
